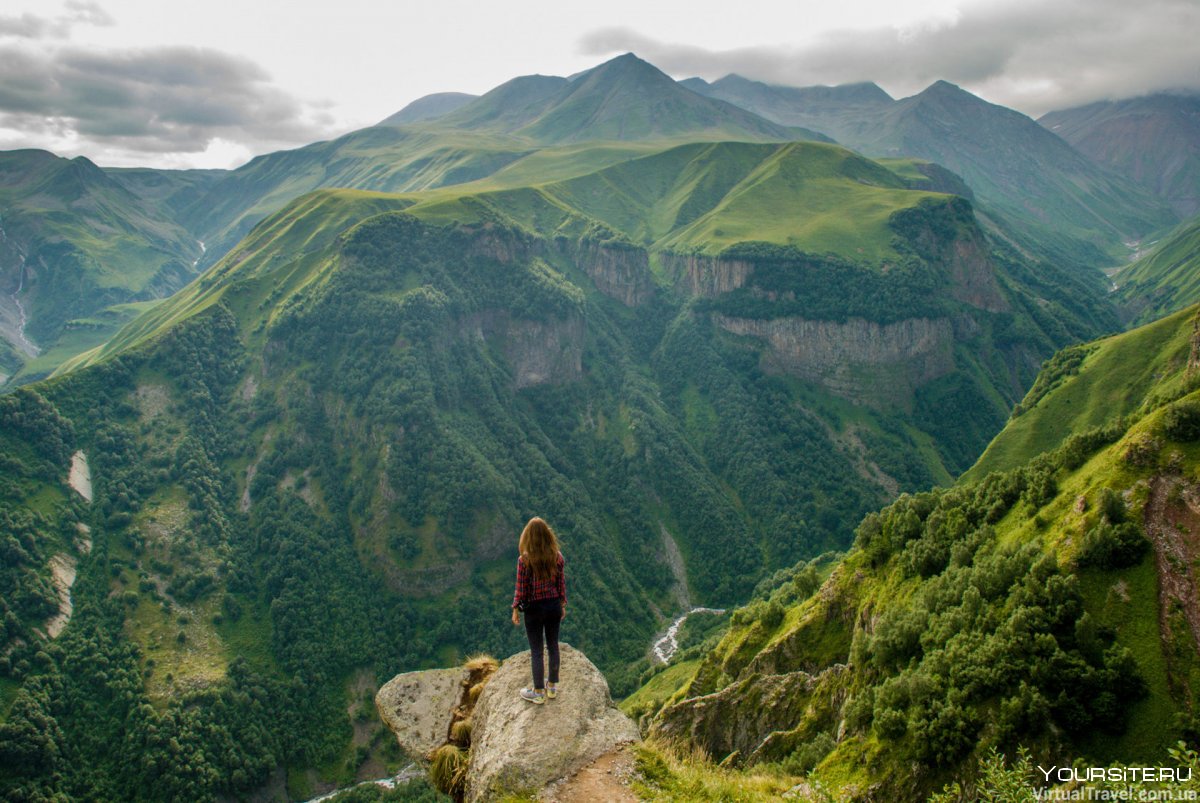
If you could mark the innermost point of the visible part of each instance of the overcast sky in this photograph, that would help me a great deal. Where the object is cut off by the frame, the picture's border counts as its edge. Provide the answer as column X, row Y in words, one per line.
column 210, row 84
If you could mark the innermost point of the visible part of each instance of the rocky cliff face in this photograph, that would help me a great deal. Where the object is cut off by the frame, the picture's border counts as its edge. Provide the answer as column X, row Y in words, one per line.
column 622, row 273
column 705, row 276
column 760, row 717
column 543, row 352
column 947, row 237
column 972, row 276
column 859, row 360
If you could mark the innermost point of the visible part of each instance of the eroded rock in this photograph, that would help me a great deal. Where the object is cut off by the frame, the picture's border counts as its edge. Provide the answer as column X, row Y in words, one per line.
column 517, row 746
column 418, row 707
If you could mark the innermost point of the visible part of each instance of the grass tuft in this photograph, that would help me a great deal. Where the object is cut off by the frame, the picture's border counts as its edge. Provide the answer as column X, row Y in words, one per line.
column 448, row 770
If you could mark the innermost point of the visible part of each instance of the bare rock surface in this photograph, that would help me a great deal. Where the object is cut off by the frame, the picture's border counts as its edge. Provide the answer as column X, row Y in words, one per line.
column 521, row 747
column 418, row 707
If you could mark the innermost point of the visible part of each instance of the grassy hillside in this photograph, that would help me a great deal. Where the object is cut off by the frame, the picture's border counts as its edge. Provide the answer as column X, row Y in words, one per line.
column 704, row 198
column 1038, row 608
column 1092, row 385
column 382, row 158
column 1165, row 279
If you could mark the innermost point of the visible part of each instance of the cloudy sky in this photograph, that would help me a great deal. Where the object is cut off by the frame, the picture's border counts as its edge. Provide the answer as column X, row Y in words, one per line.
column 185, row 83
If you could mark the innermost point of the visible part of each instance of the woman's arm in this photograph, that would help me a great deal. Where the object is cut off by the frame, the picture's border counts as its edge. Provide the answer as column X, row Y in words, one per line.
column 562, row 582
column 519, row 592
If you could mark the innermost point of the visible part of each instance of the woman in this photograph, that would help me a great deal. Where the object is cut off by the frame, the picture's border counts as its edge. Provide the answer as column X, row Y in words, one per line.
column 542, row 594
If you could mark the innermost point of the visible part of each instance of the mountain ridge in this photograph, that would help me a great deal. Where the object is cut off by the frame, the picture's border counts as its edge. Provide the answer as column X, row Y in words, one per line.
column 623, row 98
column 1153, row 140
column 1013, row 165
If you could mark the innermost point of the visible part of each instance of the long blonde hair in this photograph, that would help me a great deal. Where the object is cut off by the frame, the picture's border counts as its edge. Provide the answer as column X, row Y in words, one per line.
column 539, row 547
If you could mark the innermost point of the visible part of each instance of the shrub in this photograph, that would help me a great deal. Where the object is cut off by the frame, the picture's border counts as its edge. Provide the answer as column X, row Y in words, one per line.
column 1112, row 506
column 773, row 615
column 1181, row 421
column 1113, row 546
column 810, row 754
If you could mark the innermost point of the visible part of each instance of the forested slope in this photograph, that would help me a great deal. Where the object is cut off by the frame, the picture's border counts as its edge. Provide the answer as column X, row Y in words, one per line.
column 1049, row 606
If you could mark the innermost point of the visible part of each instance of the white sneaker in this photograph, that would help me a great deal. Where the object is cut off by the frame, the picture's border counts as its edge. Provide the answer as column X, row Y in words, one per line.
column 551, row 690
column 533, row 695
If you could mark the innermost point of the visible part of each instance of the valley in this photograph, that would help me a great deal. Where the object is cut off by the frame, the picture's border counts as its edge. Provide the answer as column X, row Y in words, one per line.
column 854, row 454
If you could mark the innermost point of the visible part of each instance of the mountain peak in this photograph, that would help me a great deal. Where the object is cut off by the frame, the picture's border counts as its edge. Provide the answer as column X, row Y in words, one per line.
column 944, row 87
column 429, row 107
column 626, row 67
column 945, row 95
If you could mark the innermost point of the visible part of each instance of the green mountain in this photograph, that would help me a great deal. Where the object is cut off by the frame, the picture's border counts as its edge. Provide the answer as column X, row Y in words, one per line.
column 1165, row 279
column 623, row 99
column 1152, row 140
column 820, row 107
column 180, row 222
column 76, row 247
column 381, row 158
column 308, row 467
column 1045, row 194
column 1046, row 603
column 1093, row 385
column 429, row 107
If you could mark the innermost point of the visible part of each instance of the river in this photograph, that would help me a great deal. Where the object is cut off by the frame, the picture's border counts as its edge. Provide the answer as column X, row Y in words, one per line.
column 665, row 646
column 403, row 776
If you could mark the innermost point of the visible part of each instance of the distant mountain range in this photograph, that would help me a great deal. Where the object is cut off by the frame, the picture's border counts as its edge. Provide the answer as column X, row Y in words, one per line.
column 1153, row 140
column 1029, row 186
column 1046, row 194
column 623, row 99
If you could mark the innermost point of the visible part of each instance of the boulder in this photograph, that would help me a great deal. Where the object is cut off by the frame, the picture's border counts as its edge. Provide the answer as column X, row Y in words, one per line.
column 418, row 707
column 517, row 746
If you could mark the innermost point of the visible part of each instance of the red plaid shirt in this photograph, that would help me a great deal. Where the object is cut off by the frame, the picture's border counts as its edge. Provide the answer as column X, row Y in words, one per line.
column 530, row 588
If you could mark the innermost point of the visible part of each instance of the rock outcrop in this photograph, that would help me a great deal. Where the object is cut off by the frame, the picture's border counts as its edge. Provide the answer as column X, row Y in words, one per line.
column 705, row 276
column 539, row 352
column 418, row 707
column 740, row 716
column 760, row 717
column 518, row 746
column 515, row 746
column 859, row 360
column 618, row 271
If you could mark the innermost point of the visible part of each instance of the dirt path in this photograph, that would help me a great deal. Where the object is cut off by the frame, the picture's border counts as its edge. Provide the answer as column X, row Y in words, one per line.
column 605, row 780
column 1174, row 528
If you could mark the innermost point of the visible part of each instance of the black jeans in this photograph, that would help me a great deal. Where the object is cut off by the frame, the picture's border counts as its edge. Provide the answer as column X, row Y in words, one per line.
column 542, row 616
